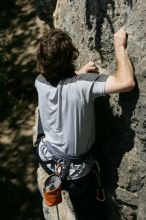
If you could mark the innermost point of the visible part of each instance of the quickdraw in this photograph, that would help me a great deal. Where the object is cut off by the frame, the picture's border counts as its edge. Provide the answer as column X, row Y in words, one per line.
column 100, row 196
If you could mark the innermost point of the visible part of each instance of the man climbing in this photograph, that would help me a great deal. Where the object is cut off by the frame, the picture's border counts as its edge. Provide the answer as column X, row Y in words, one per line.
column 66, row 107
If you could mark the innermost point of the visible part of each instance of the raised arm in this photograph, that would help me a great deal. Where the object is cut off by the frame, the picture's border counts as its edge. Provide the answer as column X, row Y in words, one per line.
column 123, row 79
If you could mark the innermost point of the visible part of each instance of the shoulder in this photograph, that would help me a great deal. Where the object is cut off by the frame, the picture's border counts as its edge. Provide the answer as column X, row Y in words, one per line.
column 91, row 77
column 41, row 79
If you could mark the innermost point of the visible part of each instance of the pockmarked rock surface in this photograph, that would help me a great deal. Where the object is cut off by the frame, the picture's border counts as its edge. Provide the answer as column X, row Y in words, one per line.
column 120, row 119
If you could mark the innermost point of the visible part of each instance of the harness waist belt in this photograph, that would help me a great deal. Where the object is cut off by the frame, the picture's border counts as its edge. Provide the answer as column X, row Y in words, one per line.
column 76, row 159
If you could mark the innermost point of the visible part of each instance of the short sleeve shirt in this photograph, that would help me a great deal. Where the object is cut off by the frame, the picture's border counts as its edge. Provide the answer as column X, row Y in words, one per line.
column 67, row 111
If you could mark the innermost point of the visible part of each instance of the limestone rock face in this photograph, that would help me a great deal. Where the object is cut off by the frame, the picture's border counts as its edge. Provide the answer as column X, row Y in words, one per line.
column 120, row 119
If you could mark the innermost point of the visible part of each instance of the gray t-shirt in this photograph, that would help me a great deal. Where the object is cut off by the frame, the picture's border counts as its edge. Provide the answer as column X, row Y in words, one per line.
column 67, row 115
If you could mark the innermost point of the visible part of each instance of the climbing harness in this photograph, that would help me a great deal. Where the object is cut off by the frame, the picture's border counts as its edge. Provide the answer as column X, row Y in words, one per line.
column 53, row 184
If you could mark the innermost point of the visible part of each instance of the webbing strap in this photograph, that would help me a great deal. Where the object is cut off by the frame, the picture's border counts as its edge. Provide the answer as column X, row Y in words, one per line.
column 76, row 159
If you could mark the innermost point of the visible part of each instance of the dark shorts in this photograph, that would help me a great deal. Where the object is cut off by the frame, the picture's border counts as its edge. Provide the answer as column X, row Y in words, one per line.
column 82, row 193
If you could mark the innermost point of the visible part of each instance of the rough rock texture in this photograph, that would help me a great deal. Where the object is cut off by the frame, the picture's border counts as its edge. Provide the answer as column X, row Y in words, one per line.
column 120, row 119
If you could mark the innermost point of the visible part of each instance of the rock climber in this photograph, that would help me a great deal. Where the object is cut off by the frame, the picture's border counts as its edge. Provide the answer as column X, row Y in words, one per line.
column 66, row 106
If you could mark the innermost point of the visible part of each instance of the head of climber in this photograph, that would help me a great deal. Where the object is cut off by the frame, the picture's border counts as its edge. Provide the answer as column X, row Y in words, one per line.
column 56, row 56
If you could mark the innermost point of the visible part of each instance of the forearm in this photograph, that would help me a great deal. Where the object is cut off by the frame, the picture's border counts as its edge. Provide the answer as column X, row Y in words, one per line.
column 124, row 72
column 90, row 67
column 123, row 79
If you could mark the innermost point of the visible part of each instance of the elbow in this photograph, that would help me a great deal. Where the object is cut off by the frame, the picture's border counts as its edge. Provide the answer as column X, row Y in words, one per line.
column 129, row 86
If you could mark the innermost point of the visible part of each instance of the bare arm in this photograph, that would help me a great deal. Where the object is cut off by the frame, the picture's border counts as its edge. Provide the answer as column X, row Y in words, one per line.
column 123, row 79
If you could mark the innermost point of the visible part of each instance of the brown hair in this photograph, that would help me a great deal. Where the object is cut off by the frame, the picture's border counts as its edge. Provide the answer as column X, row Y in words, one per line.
column 56, row 56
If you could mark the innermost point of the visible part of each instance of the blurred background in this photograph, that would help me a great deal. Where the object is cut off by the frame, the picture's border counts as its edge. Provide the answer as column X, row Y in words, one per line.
column 20, row 31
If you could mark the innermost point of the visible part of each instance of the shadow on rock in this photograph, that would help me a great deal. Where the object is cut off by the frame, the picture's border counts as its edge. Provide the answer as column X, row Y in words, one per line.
column 99, row 10
column 114, row 138
column 45, row 10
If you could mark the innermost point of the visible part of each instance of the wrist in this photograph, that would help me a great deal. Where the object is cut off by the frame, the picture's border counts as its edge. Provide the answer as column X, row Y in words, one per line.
column 119, row 49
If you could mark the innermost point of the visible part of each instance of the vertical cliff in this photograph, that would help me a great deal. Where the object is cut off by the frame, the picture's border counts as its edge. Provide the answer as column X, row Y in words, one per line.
column 120, row 119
